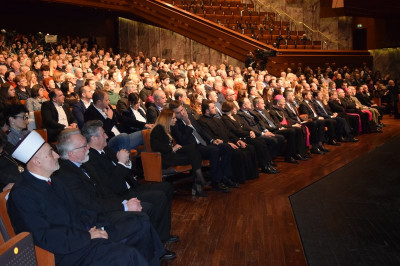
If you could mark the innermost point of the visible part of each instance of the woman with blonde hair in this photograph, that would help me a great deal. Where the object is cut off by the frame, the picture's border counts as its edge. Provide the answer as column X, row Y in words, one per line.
column 31, row 78
column 175, row 154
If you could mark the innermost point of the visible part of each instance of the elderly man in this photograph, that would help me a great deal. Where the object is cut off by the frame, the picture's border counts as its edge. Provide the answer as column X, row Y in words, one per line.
column 114, row 170
column 154, row 110
column 45, row 208
column 56, row 115
column 89, row 189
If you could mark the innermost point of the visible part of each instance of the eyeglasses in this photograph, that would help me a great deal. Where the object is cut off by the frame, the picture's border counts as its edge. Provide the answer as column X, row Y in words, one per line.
column 24, row 117
column 84, row 146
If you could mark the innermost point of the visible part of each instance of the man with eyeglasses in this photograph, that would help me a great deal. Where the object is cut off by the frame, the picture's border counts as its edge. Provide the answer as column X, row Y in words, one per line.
column 90, row 192
column 43, row 206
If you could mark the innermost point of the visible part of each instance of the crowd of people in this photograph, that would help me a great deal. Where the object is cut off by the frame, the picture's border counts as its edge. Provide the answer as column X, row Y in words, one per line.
column 94, row 104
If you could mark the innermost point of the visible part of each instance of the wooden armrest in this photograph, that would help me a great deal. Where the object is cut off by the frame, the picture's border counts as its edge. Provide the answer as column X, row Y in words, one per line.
column 152, row 167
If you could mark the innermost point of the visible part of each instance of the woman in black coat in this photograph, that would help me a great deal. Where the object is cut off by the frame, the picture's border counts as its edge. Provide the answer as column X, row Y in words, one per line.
column 235, row 124
column 175, row 154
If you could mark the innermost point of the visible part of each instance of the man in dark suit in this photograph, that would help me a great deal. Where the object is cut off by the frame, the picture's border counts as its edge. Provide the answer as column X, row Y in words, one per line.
column 45, row 208
column 306, row 107
column 56, row 115
column 274, row 141
column 100, row 110
column 78, row 110
column 317, row 130
column 343, row 130
column 294, row 136
column 114, row 170
column 154, row 110
column 244, row 166
column 91, row 193
column 188, row 131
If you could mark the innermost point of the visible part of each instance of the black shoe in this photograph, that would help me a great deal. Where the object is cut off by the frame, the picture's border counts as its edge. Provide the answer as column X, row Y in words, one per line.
column 382, row 125
column 197, row 191
column 341, row 139
column 317, row 151
column 352, row 139
column 323, row 149
column 220, row 187
column 270, row 170
column 299, row 157
column 291, row 160
column 333, row 143
column 273, row 164
column 308, row 155
column 171, row 239
column 168, row 255
column 229, row 183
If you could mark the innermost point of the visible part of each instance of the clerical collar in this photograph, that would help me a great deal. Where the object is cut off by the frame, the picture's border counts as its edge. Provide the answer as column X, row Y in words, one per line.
column 41, row 177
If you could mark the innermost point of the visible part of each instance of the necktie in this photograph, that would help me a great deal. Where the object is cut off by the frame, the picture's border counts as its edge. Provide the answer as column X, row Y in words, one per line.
column 195, row 133
column 312, row 108
column 49, row 182
column 322, row 106
column 84, row 171
column 294, row 111
column 198, row 137
column 270, row 123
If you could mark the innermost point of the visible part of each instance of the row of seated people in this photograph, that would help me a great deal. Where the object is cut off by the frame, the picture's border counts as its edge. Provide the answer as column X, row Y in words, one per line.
column 246, row 147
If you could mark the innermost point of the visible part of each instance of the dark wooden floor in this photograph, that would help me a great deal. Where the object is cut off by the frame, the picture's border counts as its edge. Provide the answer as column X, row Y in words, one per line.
column 254, row 225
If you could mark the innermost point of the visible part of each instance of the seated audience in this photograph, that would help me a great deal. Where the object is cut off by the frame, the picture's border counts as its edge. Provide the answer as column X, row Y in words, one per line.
column 44, row 207
column 114, row 171
column 174, row 154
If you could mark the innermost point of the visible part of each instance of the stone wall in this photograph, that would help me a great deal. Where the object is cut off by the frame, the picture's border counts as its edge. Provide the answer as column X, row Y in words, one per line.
column 338, row 29
column 154, row 41
column 387, row 61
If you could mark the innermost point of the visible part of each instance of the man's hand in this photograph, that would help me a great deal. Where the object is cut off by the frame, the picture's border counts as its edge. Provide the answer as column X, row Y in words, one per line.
column 109, row 112
column 241, row 144
column 97, row 233
column 123, row 156
column 134, row 205
column 269, row 134
column 217, row 141
column 73, row 125
column 233, row 145
column 149, row 126
column 335, row 114
column 8, row 186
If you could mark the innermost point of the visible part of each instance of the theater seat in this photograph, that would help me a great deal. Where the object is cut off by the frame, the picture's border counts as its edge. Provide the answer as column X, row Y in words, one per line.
column 44, row 257
column 152, row 166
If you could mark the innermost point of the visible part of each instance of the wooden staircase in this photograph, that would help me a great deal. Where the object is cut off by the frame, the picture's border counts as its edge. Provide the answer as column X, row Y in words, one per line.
column 225, row 38
column 242, row 18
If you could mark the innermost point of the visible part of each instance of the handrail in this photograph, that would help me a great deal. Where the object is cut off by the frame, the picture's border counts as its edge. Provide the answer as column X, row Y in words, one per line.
column 280, row 13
